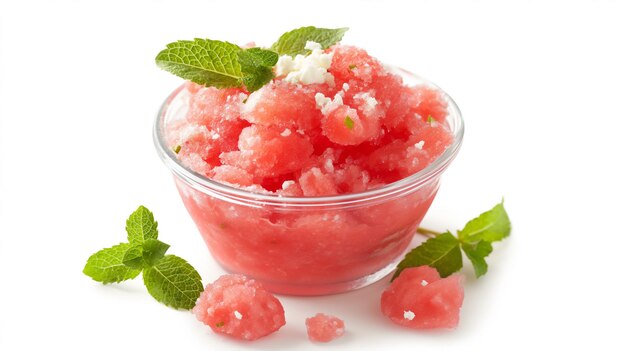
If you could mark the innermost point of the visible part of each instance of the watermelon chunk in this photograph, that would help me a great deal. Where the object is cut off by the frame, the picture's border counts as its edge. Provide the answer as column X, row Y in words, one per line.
column 420, row 299
column 239, row 307
column 269, row 152
column 324, row 328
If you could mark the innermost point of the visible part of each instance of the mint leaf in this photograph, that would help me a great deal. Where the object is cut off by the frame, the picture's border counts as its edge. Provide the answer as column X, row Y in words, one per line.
column 256, row 65
column 153, row 251
column 133, row 257
column 490, row 226
column 348, row 122
column 106, row 265
column 203, row 61
column 292, row 43
column 173, row 282
column 441, row 252
column 141, row 226
column 476, row 252
column 257, row 57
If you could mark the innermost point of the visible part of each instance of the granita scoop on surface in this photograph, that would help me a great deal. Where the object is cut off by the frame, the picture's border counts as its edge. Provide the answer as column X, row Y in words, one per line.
column 324, row 328
column 332, row 122
column 239, row 307
column 420, row 299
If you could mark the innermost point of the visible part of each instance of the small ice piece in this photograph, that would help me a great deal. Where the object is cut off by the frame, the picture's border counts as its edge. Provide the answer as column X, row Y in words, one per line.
column 238, row 315
column 286, row 132
column 420, row 145
column 287, row 184
column 424, row 283
column 409, row 315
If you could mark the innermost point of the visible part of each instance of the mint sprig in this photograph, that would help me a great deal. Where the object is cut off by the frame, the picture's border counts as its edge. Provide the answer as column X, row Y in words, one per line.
column 168, row 278
column 222, row 64
column 443, row 250
column 293, row 42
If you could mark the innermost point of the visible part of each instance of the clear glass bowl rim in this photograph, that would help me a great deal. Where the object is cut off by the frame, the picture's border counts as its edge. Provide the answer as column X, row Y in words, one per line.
column 416, row 180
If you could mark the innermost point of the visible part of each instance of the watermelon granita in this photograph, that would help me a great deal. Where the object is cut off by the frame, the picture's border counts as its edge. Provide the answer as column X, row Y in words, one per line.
column 316, row 182
column 240, row 307
column 324, row 328
column 420, row 299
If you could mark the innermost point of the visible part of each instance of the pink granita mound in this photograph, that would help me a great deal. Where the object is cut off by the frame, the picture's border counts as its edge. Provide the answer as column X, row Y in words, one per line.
column 279, row 104
column 344, row 126
column 316, row 182
column 420, row 299
column 275, row 139
column 354, row 66
column 427, row 102
column 210, row 106
column 240, row 307
column 393, row 98
column 269, row 152
column 231, row 175
column 324, row 328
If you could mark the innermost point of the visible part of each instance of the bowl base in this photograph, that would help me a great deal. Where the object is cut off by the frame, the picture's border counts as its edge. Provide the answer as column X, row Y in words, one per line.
column 282, row 288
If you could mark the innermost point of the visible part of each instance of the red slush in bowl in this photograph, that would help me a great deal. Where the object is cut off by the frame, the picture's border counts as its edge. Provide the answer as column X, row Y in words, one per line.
column 311, row 188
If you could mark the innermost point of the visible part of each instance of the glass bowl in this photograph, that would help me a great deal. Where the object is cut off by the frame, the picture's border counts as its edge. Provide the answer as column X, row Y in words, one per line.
column 307, row 245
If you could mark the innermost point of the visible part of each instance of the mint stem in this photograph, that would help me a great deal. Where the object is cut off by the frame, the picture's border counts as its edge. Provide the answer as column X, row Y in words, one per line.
column 427, row 232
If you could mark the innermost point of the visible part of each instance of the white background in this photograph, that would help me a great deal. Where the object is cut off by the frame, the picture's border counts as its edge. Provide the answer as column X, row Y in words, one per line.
column 541, row 85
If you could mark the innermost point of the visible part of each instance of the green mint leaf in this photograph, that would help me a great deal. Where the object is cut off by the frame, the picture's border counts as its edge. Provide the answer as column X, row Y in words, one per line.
column 153, row 251
column 490, row 226
column 257, row 57
column 292, row 43
column 133, row 257
column 176, row 149
column 431, row 120
column 106, row 265
column 173, row 282
column 351, row 67
column 441, row 252
column 141, row 226
column 203, row 61
column 476, row 252
column 348, row 122
column 256, row 65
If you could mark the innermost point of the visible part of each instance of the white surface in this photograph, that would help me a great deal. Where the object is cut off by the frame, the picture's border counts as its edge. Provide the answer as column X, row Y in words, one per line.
column 541, row 85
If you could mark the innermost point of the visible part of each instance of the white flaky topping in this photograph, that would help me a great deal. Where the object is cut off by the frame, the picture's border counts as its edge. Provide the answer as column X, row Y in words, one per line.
column 287, row 184
column 424, row 283
column 420, row 145
column 326, row 105
column 409, row 315
column 368, row 102
column 310, row 69
column 237, row 315
column 286, row 132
